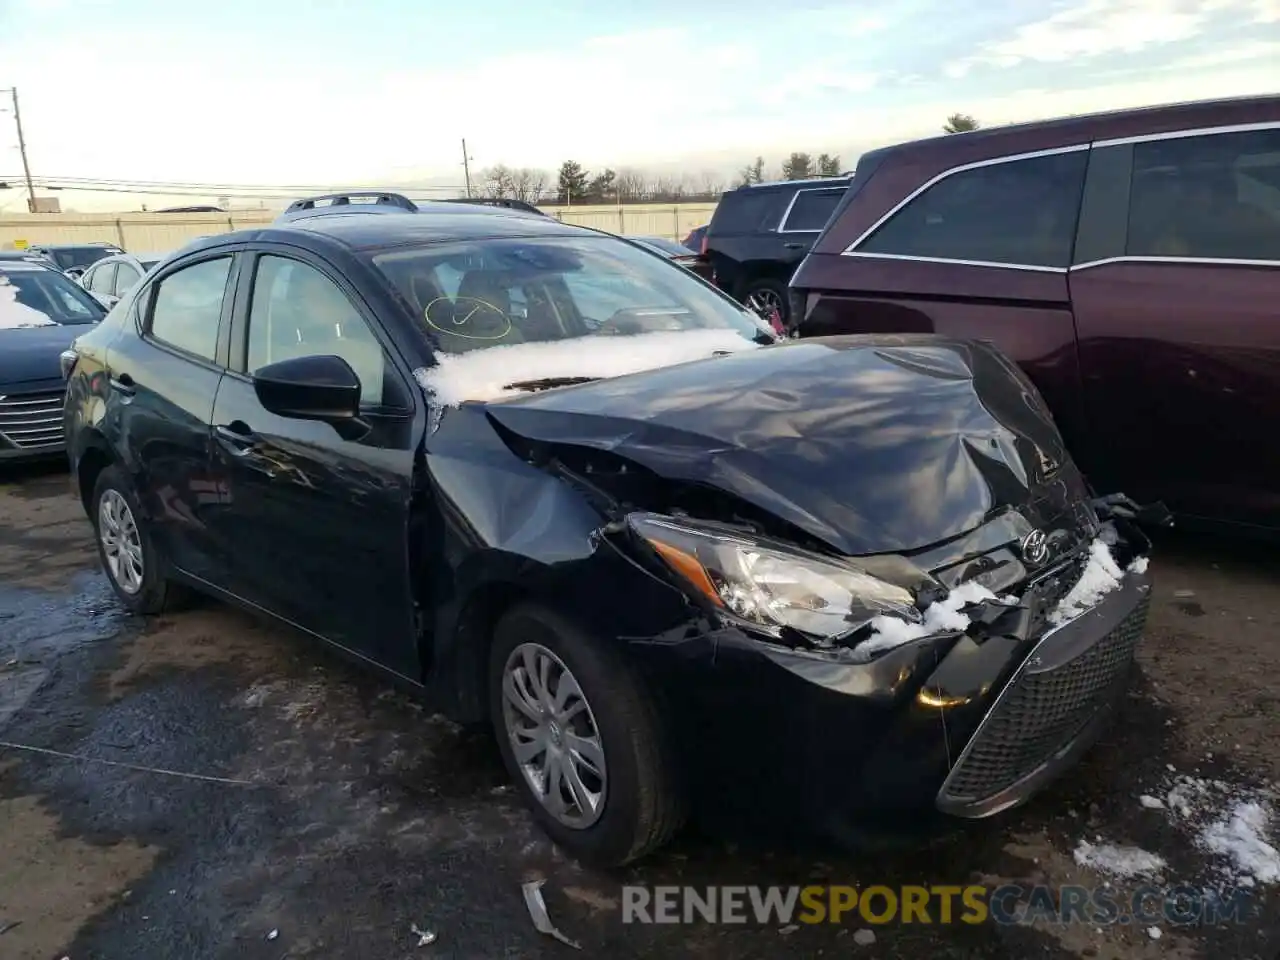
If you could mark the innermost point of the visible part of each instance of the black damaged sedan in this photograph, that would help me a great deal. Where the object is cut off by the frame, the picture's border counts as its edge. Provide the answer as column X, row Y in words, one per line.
column 555, row 483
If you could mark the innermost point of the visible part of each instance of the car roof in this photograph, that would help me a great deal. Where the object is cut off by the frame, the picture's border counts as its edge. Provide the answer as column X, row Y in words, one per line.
column 25, row 266
column 1105, row 124
column 372, row 232
column 810, row 183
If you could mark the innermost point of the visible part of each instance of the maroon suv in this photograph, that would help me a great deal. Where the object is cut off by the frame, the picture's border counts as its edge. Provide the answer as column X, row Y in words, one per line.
column 1130, row 261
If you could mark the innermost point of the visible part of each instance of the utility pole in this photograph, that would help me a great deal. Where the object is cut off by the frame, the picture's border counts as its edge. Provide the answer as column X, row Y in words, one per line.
column 466, row 164
column 22, row 149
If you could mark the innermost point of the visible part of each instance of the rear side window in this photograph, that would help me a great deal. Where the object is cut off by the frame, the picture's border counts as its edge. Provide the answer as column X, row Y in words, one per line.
column 126, row 278
column 1020, row 212
column 102, row 279
column 811, row 210
column 1208, row 197
column 743, row 212
column 187, row 307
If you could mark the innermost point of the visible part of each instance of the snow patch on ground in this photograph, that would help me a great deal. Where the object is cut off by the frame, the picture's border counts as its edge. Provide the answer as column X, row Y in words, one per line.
column 484, row 374
column 1116, row 861
column 943, row 616
column 15, row 315
column 1237, row 826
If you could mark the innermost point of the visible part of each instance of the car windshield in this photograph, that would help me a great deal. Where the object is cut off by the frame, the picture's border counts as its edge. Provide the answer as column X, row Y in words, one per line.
column 501, row 292
column 71, row 257
column 51, row 295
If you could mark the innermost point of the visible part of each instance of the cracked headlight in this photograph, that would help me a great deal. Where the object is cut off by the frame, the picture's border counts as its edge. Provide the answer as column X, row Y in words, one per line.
column 773, row 586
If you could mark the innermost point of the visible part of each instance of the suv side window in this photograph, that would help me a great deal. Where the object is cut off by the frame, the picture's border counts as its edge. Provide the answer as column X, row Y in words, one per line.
column 1214, row 196
column 743, row 212
column 811, row 210
column 1020, row 212
column 187, row 307
column 299, row 312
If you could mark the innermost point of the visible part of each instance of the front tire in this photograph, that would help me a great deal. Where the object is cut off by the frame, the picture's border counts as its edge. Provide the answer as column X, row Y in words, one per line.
column 582, row 739
column 132, row 562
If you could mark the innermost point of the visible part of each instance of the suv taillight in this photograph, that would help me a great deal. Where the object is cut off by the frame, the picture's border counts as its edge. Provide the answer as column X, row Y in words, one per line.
column 703, row 245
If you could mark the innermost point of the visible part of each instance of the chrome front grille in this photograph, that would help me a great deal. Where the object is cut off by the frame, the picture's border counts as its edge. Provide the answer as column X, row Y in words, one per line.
column 31, row 419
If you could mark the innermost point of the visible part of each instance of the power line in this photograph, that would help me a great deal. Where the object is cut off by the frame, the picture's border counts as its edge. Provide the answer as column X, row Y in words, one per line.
column 159, row 185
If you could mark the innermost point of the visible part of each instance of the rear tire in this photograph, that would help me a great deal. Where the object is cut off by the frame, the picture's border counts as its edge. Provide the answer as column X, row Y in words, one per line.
column 134, row 565
column 767, row 294
column 640, row 805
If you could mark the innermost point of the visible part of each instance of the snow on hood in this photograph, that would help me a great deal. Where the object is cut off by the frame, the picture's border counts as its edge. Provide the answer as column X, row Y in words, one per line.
column 15, row 315
column 484, row 374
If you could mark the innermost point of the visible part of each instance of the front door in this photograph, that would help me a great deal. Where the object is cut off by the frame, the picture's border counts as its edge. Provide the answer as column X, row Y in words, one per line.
column 1180, row 328
column 315, row 524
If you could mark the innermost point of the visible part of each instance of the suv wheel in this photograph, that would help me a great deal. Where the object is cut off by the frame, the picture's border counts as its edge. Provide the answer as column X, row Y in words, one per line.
column 767, row 298
column 128, row 553
column 581, row 737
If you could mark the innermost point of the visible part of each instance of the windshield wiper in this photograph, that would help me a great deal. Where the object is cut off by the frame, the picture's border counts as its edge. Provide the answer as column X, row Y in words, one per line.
column 548, row 383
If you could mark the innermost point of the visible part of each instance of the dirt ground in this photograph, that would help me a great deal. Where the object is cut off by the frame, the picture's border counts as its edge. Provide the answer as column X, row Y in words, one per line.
column 338, row 814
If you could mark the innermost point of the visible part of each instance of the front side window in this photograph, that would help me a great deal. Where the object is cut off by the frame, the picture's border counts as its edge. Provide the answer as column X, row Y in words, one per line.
column 1209, row 197
column 811, row 210
column 1018, row 212
column 297, row 312
column 187, row 307
column 501, row 292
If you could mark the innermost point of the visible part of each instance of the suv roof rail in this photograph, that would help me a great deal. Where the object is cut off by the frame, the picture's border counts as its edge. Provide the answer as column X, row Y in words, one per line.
column 504, row 202
column 380, row 198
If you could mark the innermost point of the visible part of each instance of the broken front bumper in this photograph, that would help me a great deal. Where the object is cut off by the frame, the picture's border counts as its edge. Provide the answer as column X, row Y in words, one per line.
column 1053, row 708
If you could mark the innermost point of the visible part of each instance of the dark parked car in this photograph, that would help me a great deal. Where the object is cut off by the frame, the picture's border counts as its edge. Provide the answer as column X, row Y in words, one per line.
column 759, row 234
column 1130, row 262
column 553, row 482
column 696, row 239
column 677, row 253
column 41, row 312
column 73, row 258
column 112, row 277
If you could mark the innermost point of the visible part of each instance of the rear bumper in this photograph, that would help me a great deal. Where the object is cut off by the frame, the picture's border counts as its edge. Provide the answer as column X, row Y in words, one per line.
column 1052, row 709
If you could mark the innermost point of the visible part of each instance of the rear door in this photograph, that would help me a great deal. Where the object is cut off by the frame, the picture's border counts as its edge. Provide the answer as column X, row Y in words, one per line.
column 164, row 374
column 804, row 219
column 315, row 522
column 1176, row 290
column 979, row 251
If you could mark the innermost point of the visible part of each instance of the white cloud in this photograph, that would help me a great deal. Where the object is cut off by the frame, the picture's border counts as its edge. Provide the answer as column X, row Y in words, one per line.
column 1097, row 27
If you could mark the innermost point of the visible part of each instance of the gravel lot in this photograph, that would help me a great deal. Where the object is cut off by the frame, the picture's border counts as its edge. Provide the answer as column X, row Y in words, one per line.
column 344, row 812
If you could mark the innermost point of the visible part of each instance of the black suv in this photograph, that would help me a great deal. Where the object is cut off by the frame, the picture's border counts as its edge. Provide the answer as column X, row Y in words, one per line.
column 760, row 233
column 74, row 258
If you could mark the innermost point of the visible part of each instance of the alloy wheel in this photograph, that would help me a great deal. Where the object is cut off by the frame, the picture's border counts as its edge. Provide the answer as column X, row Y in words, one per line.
column 765, row 302
column 121, row 541
column 554, row 736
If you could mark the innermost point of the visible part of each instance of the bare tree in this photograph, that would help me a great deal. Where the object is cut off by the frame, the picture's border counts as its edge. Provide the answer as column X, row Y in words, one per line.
column 709, row 184
column 529, row 185
column 515, row 183
column 631, row 184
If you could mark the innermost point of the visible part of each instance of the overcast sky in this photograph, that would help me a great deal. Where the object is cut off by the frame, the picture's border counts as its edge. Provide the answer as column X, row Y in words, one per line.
column 293, row 92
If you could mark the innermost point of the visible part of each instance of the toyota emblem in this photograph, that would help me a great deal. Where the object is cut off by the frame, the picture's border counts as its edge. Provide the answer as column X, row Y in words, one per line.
column 1035, row 547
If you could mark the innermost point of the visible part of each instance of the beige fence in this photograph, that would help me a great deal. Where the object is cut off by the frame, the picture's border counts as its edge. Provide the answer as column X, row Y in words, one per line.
column 162, row 232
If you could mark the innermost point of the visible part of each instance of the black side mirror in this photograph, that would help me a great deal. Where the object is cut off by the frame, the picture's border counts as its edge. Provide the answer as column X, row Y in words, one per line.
column 321, row 388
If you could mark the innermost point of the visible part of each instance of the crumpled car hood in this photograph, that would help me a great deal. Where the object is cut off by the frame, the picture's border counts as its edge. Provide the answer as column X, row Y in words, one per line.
column 872, row 444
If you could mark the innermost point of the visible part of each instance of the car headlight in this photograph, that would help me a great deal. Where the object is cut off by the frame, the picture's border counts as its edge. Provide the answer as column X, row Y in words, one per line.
column 772, row 586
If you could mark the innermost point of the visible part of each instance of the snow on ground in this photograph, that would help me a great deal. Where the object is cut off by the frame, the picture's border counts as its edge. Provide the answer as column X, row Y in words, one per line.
column 1116, row 861
column 1236, row 825
column 485, row 374
column 15, row 315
